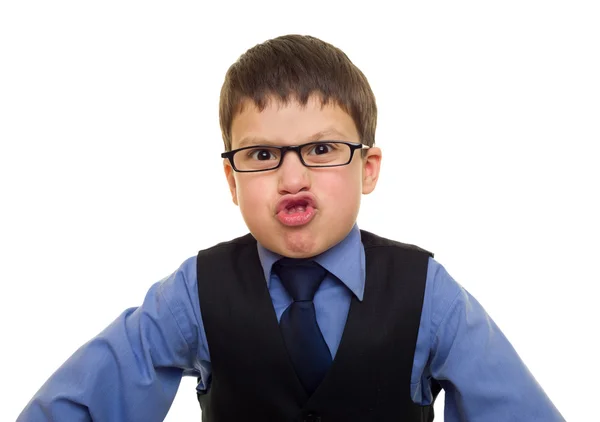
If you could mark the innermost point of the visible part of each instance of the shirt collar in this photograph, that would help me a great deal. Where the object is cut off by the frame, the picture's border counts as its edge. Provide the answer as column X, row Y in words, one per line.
column 346, row 261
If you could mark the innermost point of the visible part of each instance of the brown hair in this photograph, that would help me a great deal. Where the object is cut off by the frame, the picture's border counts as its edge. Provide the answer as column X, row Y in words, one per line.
column 294, row 67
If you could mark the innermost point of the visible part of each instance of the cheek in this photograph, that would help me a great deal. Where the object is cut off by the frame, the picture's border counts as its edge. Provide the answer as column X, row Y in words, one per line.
column 342, row 188
column 253, row 193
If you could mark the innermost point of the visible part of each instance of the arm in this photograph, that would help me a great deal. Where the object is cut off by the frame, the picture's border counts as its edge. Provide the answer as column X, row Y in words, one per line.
column 482, row 375
column 131, row 371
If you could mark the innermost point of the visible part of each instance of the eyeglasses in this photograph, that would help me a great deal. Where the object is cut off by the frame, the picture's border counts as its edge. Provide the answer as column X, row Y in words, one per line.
column 314, row 154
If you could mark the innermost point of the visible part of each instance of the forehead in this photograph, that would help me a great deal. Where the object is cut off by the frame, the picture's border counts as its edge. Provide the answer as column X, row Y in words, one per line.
column 291, row 123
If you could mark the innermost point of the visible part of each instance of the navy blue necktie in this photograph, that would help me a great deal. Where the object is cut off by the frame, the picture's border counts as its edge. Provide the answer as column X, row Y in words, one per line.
column 303, row 338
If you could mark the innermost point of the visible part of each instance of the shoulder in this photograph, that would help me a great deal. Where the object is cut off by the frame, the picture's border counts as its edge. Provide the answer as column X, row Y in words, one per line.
column 229, row 245
column 371, row 241
column 182, row 279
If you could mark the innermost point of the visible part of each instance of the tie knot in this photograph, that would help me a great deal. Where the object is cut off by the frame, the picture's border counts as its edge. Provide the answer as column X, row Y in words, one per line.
column 300, row 277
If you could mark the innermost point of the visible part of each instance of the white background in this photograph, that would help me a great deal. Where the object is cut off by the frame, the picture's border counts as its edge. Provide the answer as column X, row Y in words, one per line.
column 110, row 173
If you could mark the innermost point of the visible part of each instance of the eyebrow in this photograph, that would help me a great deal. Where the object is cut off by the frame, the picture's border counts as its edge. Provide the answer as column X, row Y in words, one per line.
column 327, row 133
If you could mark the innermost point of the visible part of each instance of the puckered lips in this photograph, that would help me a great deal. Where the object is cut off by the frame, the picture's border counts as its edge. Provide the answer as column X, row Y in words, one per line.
column 296, row 210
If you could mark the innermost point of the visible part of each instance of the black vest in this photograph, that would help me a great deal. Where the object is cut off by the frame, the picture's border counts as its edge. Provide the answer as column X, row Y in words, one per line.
column 252, row 375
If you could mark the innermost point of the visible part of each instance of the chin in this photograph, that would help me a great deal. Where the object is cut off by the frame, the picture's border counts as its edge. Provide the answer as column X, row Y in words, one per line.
column 291, row 242
column 300, row 245
column 306, row 242
column 301, row 241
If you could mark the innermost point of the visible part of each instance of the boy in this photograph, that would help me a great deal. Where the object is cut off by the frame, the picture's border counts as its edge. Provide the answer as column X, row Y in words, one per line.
column 306, row 318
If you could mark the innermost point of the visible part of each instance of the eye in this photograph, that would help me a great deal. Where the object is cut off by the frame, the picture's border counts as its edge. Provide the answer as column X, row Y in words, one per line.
column 261, row 154
column 322, row 148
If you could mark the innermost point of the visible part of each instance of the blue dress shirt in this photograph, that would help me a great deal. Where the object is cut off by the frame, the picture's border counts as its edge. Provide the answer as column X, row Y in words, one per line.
column 131, row 371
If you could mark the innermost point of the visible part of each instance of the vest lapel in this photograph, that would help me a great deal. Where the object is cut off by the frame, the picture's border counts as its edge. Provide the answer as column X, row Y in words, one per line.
column 260, row 293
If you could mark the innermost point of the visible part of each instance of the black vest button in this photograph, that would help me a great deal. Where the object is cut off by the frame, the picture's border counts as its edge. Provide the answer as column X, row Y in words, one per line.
column 312, row 417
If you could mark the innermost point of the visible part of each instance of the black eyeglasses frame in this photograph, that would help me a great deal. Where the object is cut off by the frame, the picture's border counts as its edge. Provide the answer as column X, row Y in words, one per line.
column 296, row 148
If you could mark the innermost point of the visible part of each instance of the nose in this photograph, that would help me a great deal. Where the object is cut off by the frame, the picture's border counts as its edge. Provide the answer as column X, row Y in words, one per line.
column 293, row 176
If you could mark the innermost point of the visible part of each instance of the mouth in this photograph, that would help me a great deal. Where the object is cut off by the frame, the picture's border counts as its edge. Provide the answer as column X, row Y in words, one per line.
column 296, row 211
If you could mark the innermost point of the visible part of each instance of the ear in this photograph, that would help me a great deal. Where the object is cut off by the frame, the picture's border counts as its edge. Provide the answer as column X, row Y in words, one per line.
column 371, row 164
column 229, row 175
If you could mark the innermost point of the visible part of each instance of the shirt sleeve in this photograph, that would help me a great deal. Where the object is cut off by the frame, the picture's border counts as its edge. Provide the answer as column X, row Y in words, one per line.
column 483, row 377
column 131, row 371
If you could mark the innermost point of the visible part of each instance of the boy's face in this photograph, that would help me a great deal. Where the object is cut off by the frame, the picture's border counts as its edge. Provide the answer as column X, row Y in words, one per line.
column 333, row 193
